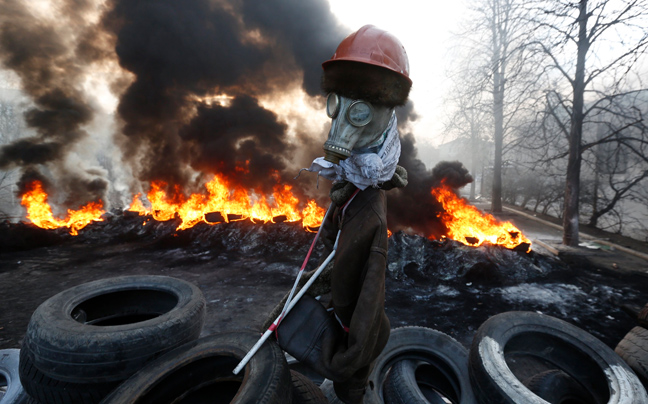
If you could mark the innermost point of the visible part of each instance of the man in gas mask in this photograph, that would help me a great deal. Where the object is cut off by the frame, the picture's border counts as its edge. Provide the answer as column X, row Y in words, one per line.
column 367, row 77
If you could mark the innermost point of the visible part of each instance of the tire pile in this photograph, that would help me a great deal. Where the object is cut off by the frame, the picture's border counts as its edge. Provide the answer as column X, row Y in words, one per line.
column 136, row 339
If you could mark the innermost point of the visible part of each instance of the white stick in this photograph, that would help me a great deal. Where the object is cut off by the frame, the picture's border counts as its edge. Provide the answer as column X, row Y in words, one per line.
column 292, row 304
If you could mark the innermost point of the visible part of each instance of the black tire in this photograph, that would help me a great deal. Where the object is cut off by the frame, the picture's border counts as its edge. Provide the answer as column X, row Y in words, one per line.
column 202, row 370
column 556, row 386
column 436, row 349
column 564, row 346
column 44, row 389
column 11, row 390
column 305, row 391
column 642, row 317
column 633, row 348
column 106, row 330
column 416, row 382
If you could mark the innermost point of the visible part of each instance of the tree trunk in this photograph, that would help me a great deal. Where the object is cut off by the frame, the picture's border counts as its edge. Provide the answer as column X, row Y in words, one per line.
column 483, row 179
column 499, row 70
column 473, row 151
column 498, row 112
column 595, row 215
column 572, row 181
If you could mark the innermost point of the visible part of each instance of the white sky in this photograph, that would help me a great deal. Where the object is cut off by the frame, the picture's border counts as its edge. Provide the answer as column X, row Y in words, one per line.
column 425, row 28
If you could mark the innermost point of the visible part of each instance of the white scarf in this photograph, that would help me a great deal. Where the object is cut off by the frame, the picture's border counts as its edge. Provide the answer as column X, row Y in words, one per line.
column 365, row 169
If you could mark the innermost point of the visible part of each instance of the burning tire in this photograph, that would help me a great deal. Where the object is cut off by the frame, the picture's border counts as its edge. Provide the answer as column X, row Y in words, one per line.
column 633, row 348
column 305, row 391
column 104, row 331
column 567, row 348
column 11, row 390
column 202, row 370
column 444, row 360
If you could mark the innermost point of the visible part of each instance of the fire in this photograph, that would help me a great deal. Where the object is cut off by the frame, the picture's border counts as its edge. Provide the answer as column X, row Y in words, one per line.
column 222, row 201
column 138, row 206
column 232, row 202
column 40, row 212
column 468, row 225
column 312, row 215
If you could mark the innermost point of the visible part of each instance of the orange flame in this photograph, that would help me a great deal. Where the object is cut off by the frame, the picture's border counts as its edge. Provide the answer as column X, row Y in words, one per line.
column 40, row 212
column 464, row 222
column 138, row 206
column 468, row 225
column 238, row 204
column 312, row 215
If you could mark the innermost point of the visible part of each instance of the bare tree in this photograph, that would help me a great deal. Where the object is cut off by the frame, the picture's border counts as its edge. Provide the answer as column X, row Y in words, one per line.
column 618, row 165
column 470, row 120
column 500, row 74
column 593, row 46
column 10, row 129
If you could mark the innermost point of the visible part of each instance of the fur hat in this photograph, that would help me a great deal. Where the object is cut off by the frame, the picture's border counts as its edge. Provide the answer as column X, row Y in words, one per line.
column 362, row 81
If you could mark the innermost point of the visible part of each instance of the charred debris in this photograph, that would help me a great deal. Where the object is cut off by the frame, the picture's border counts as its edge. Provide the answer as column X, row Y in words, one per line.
column 441, row 284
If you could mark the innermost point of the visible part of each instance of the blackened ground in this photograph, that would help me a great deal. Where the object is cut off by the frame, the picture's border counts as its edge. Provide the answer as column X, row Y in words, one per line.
column 244, row 269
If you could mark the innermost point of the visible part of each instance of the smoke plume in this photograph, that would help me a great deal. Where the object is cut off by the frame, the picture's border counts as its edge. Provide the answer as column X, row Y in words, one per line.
column 183, row 53
column 46, row 55
column 405, row 208
column 193, row 105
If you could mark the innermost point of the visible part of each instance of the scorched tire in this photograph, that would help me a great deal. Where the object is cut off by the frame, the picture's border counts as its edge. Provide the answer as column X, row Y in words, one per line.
column 305, row 391
column 633, row 348
column 564, row 346
column 106, row 330
column 201, row 371
column 12, row 390
column 447, row 357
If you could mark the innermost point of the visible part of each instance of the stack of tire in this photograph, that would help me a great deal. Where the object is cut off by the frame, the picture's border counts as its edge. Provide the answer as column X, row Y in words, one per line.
column 515, row 358
column 135, row 339
column 83, row 342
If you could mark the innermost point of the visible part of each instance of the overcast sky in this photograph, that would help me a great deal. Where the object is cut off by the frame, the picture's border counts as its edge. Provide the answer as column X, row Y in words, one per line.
column 425, row 29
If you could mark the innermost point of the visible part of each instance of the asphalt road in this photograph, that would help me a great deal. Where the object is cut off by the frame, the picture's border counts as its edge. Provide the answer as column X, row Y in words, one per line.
column 597, row 248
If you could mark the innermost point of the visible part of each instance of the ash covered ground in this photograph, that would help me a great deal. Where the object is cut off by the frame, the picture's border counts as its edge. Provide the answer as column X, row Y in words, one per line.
column 244, row 269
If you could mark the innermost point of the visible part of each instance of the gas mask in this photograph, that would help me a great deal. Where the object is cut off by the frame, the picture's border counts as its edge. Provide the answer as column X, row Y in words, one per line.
column 357, row 127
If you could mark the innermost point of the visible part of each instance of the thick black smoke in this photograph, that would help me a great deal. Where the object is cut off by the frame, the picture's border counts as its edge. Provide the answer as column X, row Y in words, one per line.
column 413, row 208
column 250, row 143
column 45, row 58
column 452, row 174
column 306, row 28
column 181, row 52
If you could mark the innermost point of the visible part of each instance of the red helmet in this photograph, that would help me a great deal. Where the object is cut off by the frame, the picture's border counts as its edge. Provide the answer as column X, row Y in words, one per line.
column 373, row 46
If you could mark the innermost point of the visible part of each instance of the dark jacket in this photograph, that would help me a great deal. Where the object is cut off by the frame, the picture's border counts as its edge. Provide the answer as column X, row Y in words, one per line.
column 358, row 281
